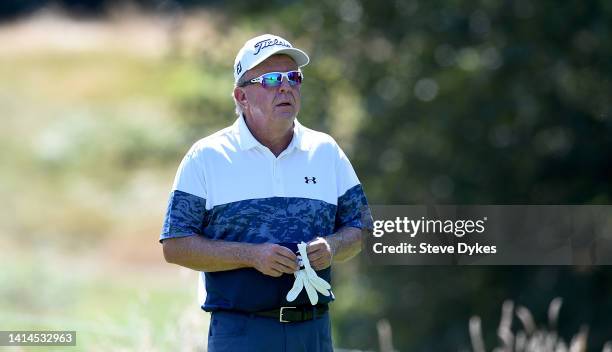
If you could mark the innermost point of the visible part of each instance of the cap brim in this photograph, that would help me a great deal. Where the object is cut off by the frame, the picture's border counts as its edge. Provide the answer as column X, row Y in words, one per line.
column 300, row 57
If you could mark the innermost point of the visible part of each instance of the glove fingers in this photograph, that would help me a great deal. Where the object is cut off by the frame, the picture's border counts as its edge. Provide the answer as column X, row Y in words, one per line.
column 323, row 283
column 298, row 285
column 312, row 293
column 315, row 279
column 321, row 286
column 322, row 290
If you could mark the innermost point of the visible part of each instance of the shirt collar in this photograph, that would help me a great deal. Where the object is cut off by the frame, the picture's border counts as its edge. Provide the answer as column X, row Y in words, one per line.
column 244, row 135
column 247, row 141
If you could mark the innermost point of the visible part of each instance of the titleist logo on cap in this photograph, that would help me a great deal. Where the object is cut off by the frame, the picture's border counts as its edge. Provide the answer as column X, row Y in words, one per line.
column 269, row 42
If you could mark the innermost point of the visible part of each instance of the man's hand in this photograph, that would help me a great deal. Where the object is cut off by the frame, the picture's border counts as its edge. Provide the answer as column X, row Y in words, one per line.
column 274, row 260
column 319, row 253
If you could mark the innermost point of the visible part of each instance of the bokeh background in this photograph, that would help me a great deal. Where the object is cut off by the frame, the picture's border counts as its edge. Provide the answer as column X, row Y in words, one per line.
column 454, row 102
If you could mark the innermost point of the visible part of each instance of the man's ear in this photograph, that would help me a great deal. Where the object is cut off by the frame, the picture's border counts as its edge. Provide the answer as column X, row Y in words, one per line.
column 240, row 96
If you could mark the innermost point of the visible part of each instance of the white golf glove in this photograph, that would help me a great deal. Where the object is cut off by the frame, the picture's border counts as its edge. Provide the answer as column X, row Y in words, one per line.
column 307, row 278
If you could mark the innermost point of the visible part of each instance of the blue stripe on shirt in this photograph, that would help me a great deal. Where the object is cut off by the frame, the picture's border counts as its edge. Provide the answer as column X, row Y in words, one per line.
column 352, row 206
column 185, row 215
column 266, row 220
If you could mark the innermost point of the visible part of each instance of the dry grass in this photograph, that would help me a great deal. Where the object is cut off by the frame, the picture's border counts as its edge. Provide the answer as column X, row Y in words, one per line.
column 531, row 338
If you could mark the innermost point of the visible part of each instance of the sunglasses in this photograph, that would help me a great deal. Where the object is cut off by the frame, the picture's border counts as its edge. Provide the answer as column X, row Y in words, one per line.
column 275, row 79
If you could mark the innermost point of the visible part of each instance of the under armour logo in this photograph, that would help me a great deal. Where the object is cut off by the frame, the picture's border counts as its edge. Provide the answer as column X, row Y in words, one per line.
column 310, row 179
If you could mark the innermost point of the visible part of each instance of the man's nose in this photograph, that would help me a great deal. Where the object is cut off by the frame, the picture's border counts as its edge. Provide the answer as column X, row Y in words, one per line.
column 285, row 86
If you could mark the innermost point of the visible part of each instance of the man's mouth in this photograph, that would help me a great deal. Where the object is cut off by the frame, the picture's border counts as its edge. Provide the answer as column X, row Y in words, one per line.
column 284, row 104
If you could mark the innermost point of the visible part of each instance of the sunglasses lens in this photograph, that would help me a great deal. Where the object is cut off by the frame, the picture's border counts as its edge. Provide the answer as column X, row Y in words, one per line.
column 272, row 79
column 275, row 79
column 295, row 77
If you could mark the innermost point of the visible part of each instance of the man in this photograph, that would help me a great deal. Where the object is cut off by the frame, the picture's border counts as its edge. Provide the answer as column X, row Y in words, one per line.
column 245, row 196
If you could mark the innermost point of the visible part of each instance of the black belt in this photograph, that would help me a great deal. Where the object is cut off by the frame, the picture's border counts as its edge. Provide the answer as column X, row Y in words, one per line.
column 294, row 314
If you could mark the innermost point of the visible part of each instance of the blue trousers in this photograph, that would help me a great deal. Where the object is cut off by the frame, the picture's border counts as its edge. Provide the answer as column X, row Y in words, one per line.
column 236, row 332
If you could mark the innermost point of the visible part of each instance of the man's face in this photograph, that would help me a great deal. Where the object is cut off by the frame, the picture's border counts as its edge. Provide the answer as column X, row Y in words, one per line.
column 272, row 103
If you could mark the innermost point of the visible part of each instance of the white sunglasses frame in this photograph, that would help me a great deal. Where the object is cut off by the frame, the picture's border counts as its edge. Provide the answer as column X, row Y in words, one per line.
column 259, row 79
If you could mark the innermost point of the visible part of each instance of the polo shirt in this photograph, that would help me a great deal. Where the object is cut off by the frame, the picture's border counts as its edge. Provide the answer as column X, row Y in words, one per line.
column 230, row 187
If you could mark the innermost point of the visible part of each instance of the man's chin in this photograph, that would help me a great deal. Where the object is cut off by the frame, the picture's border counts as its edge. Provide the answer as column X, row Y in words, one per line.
column 285, row 115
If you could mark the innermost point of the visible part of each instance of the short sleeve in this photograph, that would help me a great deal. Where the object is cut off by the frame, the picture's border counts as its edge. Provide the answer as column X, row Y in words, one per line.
column 352, row 202
column 190, row 175
column 186, row 211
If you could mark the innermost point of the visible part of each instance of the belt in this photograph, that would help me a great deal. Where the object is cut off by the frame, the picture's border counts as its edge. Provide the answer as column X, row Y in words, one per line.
column 294, row 314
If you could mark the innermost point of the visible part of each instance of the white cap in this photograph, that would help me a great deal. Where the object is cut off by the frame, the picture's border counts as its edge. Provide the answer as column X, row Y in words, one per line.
column 257, row 49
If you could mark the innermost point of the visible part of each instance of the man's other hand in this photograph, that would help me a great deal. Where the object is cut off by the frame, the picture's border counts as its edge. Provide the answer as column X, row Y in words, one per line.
column 319, row 253
column 274, row 260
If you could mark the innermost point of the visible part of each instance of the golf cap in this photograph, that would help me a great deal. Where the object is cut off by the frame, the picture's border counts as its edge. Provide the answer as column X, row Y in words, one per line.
column 257, row 49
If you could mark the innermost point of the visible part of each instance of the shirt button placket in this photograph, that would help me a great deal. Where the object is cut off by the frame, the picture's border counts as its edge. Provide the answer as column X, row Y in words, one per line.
column 276, row 176
column 274, row 183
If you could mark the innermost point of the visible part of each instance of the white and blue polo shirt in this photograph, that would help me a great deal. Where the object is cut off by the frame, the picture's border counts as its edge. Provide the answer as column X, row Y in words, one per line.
column 231, row 187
